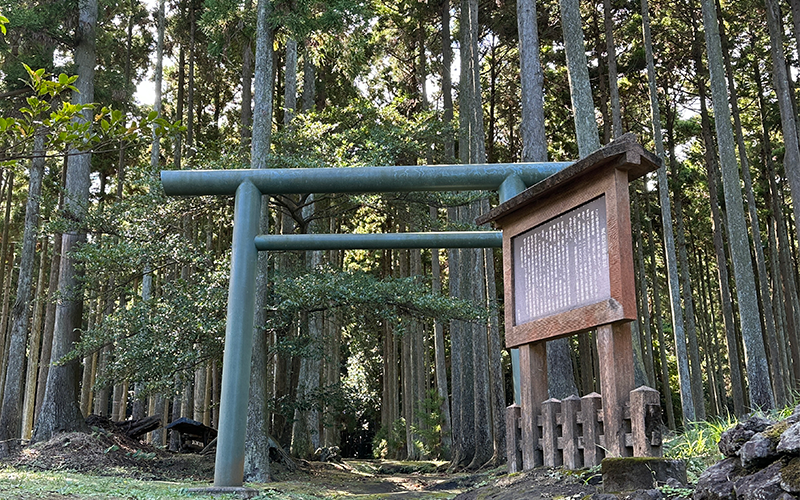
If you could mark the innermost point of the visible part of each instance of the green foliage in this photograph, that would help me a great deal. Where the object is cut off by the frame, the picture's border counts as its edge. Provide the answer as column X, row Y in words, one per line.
column 430, row 428
column 697, row 444
column 362, row 298
column 389, row 443
column 60, row 122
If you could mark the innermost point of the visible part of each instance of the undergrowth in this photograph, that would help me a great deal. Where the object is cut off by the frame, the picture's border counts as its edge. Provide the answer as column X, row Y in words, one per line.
column 697, row 444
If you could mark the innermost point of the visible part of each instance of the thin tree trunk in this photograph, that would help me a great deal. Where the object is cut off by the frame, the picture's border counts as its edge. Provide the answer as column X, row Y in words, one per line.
column 616, row 113
column 687, row 401
column 439, row 351
column 786, row 271
column 785, row 95
column 644, row 306
column 158, row 75
column 447, row 84
column 11, row 413
column 247, row 84
column 696, row 369
column 759, row 387
column 290, row 87
column 737, row 388
column 29, row 401
column 665, row 386
column 496, row 378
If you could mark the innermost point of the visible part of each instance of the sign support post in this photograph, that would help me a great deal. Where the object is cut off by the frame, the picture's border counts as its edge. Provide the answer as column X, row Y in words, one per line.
column 568, row 268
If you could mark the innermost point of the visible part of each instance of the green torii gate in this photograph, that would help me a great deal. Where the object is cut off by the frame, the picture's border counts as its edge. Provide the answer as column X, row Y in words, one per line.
column 248, row 185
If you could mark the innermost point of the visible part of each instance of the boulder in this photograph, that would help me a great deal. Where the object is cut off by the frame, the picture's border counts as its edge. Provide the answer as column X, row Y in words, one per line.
column 759, row 449
column 640, row 473
column 732, row 440
column 715, row 483
column 790, row 440
column 763, row 485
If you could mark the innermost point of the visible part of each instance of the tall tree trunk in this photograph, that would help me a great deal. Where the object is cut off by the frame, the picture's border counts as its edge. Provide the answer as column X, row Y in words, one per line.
column 439, row 351
column 644, row 309
column 50, row 310
column 309, row 78
column 256, row 465
column 247, row 84
column 532, row 125
column 658, row 317
column 755, row 229
column 785, row 95
column 447, row 84
column 29, row 401
column 60, row 406
column 616, row 113
column 496, row 378
column 786, row 272
column 737, row 388
column 11, row 413
column 158, row 75
column 696, row 369
column 759, row 387
column 290, row 87
column 579, row 85
column 687, row 401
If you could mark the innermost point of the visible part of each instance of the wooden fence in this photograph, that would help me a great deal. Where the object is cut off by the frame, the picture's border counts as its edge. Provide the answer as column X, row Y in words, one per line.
column 573, row 435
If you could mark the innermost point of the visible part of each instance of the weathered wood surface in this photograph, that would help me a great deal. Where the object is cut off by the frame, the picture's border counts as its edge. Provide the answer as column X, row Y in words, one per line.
column 615, row 353
column 624, row 153
column 533, row 385
column 612, row 184
column 574, row 432
column 513, row 438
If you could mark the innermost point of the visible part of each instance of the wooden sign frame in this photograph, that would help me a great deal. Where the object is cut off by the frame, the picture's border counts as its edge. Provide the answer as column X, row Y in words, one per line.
column 606, row 173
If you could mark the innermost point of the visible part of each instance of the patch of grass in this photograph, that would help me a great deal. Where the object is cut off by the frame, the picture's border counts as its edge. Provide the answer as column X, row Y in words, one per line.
column 698, row 445
column 22, row 484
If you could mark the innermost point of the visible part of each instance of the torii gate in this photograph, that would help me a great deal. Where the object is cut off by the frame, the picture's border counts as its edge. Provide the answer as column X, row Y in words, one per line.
column 249, row 185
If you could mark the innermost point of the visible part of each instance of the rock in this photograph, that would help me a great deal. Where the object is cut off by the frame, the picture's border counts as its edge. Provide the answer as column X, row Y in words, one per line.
column 630, row 474
column 790, row 440
column 733, row 439
column 790, row 476
column 758, row 449
column 763, row 485
column 604, row 496
column 715, row 483
column 652, row 494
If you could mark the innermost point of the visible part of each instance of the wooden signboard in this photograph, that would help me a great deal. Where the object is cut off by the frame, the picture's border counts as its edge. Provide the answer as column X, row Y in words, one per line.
column 568, row 268
column 567, row 254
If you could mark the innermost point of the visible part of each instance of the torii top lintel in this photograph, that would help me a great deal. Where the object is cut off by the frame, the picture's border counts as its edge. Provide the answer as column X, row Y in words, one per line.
column 356, row 179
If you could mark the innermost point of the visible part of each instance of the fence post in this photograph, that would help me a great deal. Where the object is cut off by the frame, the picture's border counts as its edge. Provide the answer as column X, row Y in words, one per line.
column 552, row 456
column 591, row 405
column 646, row 422
column 570, row 407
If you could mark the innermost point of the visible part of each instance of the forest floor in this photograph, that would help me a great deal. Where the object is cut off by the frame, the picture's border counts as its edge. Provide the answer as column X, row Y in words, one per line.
column 110, row 466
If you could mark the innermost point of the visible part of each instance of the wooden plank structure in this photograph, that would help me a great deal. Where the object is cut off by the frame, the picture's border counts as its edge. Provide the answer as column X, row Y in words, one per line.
column 568, row 268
